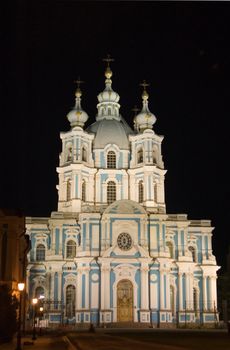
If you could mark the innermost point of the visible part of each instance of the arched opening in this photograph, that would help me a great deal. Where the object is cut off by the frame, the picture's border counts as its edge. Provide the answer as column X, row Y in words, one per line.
column 40, row 252
column 111, row 192
column 124, row 301
column 71, row 249
column 140, row 192
column 193, row 253
column 70, row 301
column 155, row 192
column 84, row 154
column 68, row 190
column 140, row 156
column 39, row 293
column 172, row 300
column 69, row 153
column 154, row 156
column 169, row 245
column 83, row 191
column 111, row 160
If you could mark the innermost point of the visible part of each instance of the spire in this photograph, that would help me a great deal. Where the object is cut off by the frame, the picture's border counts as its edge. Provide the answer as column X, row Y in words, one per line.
column 77, row 116
column 108, row 106
column 145, row 119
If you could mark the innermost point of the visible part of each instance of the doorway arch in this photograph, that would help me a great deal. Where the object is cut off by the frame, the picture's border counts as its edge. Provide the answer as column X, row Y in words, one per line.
column 125, row 301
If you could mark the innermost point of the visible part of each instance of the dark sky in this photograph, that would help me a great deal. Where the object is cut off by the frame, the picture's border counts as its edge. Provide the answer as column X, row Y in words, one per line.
column 181, row 49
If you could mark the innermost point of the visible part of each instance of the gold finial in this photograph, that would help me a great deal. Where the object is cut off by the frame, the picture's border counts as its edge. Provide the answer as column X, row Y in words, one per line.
column 145, row 95
column 135, row 110
column 78, row 91
column 108, row 72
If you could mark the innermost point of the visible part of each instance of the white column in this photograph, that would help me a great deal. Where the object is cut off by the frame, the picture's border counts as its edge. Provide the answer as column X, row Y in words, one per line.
column 180, row 274
column 144, row 287
column 204, row 293
column 162, row 307
column 213, row 296
column 187, row 288
column 59, row 285
column 86, row 272
column 168, row 306
column 79, row 289
column 105, row 287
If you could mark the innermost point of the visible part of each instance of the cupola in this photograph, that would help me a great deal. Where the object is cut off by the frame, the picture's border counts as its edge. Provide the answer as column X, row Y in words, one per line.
column 145, row 119
column 77, row 116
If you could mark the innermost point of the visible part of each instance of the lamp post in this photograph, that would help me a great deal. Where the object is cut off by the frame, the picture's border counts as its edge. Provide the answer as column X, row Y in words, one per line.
column 20, row 288
column 40, row 318
column 34, row 302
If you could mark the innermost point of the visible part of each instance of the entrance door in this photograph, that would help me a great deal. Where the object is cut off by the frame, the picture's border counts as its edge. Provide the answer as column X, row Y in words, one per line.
column 124, row 301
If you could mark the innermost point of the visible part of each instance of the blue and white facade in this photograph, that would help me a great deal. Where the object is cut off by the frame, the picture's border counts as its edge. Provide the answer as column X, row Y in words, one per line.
column 111, row 253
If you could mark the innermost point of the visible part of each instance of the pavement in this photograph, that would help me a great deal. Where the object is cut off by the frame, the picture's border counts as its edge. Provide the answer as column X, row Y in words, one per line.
column 41, row 343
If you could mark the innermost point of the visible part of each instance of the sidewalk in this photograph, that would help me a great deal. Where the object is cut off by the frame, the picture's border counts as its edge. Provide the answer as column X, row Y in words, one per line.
column 41, row 343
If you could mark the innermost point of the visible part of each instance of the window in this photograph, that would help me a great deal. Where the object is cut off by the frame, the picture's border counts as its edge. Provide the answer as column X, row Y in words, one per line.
column 68, row 190
column 140, row 156
column 155, row 192
column 154, row 157
column 69, row 154
column 39, row 292
column 140, row 192
column 83, row 191
column 111, row 192
column 40, row 252
column 169, row 245
column 84, row 154
column 71, row 249
column 111, row 160
column 193, row 253
column 70, row 301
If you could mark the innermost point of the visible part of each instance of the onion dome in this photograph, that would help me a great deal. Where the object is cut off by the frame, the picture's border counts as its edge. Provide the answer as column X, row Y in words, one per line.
column 77, row 117
column 145, row 119
column 108, row 106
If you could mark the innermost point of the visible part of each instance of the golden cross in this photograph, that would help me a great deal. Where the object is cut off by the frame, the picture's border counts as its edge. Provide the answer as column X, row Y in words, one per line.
column 144, row 84
column 78, row 82
column 108, row 59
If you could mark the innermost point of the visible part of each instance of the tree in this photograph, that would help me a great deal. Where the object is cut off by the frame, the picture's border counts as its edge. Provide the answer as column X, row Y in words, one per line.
column 8, row 314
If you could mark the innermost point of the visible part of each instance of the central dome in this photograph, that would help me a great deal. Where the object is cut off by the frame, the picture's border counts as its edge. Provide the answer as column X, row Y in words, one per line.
column 110, row 132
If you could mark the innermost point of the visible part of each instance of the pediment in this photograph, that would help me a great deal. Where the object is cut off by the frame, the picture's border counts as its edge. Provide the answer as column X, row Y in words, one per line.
column 135, row 252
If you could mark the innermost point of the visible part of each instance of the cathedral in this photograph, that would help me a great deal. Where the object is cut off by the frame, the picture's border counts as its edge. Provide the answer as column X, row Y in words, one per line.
column 111, row 253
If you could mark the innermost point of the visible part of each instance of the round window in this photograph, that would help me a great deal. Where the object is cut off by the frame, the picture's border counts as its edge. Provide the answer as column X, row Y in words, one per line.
column 124, row 241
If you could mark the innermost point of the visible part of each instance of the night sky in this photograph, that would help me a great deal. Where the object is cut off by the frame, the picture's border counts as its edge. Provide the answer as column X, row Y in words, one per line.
column 181, row 49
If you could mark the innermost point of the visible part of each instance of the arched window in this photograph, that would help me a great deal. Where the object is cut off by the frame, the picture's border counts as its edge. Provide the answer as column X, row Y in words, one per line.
column 154, row 156
column 172, row 304
column 71, row 249
column 83, row 191
column 140, row 156
column 195, row 301
column 155, row 192
column 84, row 154
column 169, row 245
column 39, row 292
column 68, row 190
column 193, row 253
column 70, row 301
column 69, row 153
column 40, row 252
column 140, row 192
column 111, row 192
column 111, row 160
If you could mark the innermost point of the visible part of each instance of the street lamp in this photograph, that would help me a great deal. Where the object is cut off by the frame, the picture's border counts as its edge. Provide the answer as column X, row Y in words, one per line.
column 34, row 302
column 20, row 288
